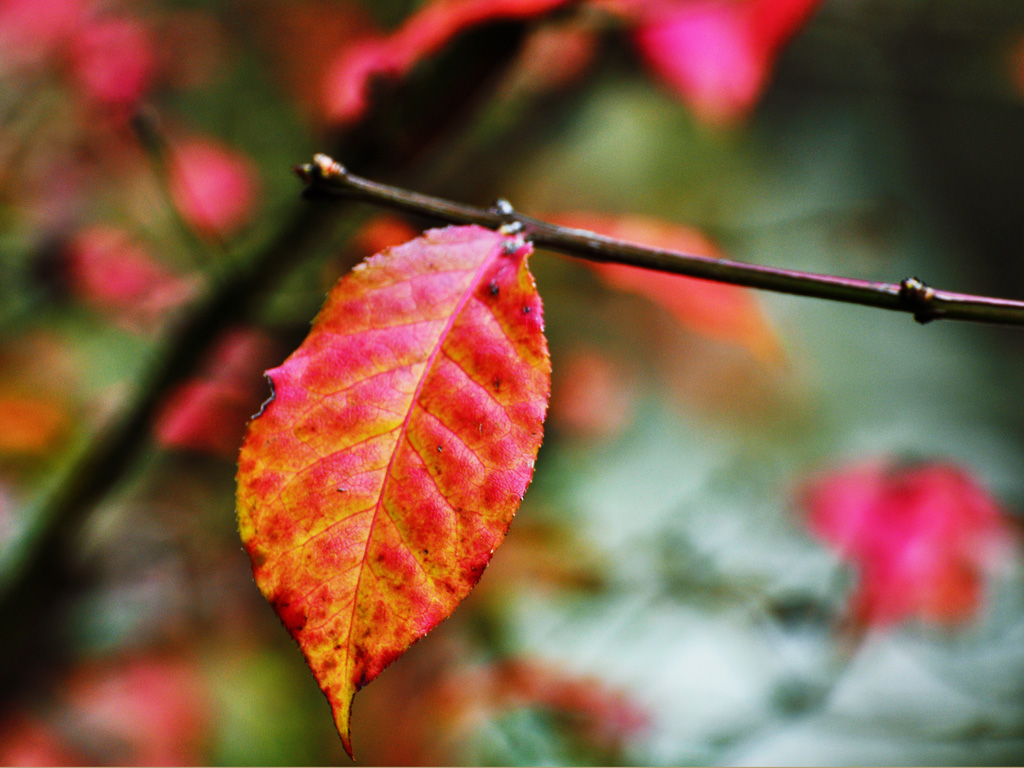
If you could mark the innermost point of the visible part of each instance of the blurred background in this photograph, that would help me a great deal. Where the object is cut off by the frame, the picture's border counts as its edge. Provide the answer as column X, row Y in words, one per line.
column 762, row 530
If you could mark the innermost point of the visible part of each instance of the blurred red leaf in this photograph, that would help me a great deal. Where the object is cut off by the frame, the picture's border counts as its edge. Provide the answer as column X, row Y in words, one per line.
column 111, row 271
column 113, row 60
column 30, row 424
column 29, row 741
column 604, row 715
column 920, row 538
column 456, row 705
column 591, row 397
column 146, row 710
column 717, row 55
column 205, row 416
column 434, row 705
column 208, row 413
column 555, row 56
column 724, row 312
column 214, row 187
column 375, row 485
column 301, row 35
column 346, row 94
column 382, row 232
column 32, row 30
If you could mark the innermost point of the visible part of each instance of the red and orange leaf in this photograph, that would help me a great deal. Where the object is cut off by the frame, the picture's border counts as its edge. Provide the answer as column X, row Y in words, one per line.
column 377, row 482
column 724, row 312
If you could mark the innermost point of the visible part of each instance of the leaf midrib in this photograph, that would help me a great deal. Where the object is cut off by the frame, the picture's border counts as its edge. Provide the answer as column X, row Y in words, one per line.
column 431, row 359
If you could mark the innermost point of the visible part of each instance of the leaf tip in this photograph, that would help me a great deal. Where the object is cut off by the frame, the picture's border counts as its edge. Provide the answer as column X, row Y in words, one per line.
column 343, row 721
column 346, row 742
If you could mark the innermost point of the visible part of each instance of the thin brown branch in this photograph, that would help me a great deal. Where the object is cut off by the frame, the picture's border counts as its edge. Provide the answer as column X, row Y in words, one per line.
column 325, row 176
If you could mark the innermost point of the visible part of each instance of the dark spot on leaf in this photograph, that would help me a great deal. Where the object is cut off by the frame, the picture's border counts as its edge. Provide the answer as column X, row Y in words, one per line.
column 527, row 309
column 362, row 680
column 294, row 619
column 496, row 384
column 342, row 490
column 439, row 449
column 493, row 287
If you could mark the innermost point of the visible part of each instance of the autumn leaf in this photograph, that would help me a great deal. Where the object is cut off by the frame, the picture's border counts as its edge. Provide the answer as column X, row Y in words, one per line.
column 593, row 397
column 299, row 36
column 32, row 30
column 555, row 57
column 214, row 187
column 109, row 270
column 920, row 537
column 207, row 413
column 377, row 482
column 27, row 740
column 151, row 709
column 716, row 55
column 724, row 312
column 113, row 61
column 425, row 33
